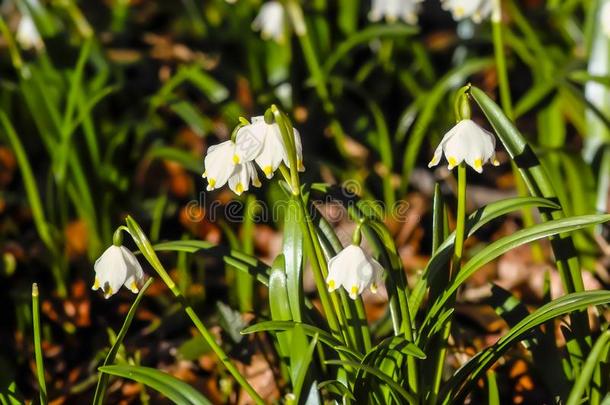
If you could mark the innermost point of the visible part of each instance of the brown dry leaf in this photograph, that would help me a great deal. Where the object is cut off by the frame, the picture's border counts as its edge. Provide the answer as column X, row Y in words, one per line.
column 180, row 182
column 7, row 165
column 77, row 239
column 193, row 218
column 261, row 377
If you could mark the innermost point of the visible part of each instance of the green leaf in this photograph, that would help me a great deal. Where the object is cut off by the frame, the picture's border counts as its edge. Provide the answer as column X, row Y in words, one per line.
column 436, row 266
column 279, row 304
column 239, row 260
column 538, row 183
column 174, row 389
column 501, row 246
column 323, row 336
column 363, row 36
column 457, row 387
column 598, row 355
column 184, row 158
column 397, row 388
column 293, row 256
column 301, row 355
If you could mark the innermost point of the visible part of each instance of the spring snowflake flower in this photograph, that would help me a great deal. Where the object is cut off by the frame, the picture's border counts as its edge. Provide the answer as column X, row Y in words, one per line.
column 27, row 35
column 354, row 270
column 220, row 164
column 263, row 143
column 243, row 175
column 477, row 10
column 468, row 142
column 271, row 21
column 117, row 266
column 604, row 18
column 392, row 10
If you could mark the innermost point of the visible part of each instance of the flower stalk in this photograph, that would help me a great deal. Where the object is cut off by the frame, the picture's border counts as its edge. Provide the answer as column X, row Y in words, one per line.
column 149, row 253
column 507, row 106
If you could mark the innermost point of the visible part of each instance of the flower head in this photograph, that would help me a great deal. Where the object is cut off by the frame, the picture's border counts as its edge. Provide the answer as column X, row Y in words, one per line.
column 220, row 164
column 264, row 144
column 604, row 18
column 392, row 10
column 353, row 270
column 477, row 10
column 468, row 142
column 27, row 34
column 241, row 178
column 271, row 21
column 117, row 266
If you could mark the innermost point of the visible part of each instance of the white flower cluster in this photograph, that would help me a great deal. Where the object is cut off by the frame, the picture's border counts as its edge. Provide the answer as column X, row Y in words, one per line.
column 232, row 161
column 476, row 10
column 27, row 35
column 392, row 10
column 271, row 19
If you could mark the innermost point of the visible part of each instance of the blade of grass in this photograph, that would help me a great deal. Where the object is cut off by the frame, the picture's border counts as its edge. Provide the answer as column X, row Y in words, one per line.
column 42, row 386
column 102, row 380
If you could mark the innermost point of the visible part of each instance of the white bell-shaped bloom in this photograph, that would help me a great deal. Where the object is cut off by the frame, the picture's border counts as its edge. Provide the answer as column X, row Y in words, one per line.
column 117, row 267
column 220, row 164
column 468, row 142
column 28, row 36
column 604, row 18
column 392, row 10
column 271, row 21
column 353, row 270
column 476, row 10
column 264, row 143
column 241, row 178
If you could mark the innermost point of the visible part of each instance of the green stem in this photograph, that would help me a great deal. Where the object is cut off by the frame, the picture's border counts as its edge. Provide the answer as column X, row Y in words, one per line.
column 455, row 268
column 315, row 69
column 37, row 346
column 102, row 382
column 460, row 218
column 318, row 265
column 12, row 46
column 148, row 252
column 507, row 106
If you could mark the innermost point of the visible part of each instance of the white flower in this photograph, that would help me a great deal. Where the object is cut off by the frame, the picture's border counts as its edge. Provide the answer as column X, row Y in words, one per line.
column 241, row 178
column 27, row 34
column 604, row 18
column 220, row 164
column 117, row 266
column 271, row 21
column 392, row 10
column 263, row 143
column 468, row 142
column 477, row 10
column 353, row 269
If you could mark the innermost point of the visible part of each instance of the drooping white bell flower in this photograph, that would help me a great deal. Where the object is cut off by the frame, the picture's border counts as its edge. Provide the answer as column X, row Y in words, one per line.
column 117, row 267
column 604, row 18
column 468, row 142
column 263, row 143
column 220, row 164
column 271, row 21
column 241, row 178
column 353, row 270
column 476, row 10
column 392, row 10
column 27, row 35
